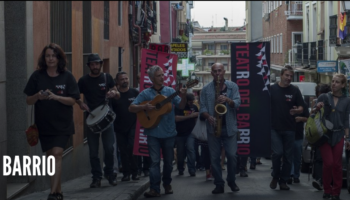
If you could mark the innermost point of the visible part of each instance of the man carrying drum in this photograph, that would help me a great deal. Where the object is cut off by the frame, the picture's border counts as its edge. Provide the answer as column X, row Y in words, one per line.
column 97, row 88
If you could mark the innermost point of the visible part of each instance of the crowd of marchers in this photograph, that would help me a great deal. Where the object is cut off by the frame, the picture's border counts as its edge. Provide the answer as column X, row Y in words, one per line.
column 53, row 88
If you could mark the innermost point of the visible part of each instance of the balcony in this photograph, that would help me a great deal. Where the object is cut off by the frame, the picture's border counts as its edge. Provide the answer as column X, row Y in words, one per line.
column 294, row 10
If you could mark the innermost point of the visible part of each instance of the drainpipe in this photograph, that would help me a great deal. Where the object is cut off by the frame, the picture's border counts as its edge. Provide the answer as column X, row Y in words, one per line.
column 135, row 71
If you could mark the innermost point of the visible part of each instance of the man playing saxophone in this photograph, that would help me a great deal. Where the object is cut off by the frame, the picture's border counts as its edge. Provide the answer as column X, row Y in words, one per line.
column 219, row 101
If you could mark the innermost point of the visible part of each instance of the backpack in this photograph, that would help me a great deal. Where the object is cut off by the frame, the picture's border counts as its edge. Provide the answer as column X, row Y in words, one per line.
column 318, row 129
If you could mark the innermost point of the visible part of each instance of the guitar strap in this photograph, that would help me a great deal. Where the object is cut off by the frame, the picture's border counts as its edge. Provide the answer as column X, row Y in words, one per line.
column 158, row 91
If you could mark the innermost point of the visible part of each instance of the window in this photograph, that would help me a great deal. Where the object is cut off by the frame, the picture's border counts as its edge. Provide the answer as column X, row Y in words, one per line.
column 313, row 52
column 297, row 38
column 305, row 53
column 210, row 47
column 333, row 30
column 223, row 47
column 106, row 20
column 277, row 44
column 281, row 43
column 61, row 27
column 87, row 39
column 272, row 45
column 320, row 50
column 263, row 9
column 225, row 66
column 322, row 15
column 120, row 12
column 280, row 3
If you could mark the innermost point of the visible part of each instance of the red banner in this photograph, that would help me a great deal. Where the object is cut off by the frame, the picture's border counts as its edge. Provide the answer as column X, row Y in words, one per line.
column 166, row 61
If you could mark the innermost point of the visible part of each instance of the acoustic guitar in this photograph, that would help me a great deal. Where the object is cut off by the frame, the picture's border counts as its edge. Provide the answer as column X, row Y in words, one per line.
column 151, row 118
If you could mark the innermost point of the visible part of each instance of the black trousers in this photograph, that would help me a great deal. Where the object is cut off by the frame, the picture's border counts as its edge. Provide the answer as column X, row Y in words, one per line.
column 143, row 163
column 125, row 142
column 318, row 163
column 242, row 163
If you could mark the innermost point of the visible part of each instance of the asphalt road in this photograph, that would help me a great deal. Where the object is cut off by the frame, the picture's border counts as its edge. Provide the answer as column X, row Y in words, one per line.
column 254, row 187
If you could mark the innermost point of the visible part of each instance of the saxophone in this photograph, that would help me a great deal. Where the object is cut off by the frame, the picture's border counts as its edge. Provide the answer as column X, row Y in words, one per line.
column 220, row 110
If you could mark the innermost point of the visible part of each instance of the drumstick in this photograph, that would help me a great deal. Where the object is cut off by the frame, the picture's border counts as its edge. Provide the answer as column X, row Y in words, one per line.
column 90, row 113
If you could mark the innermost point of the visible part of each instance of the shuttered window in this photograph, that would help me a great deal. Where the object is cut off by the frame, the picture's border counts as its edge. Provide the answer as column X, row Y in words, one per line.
column 61, row 27
column 106, row 20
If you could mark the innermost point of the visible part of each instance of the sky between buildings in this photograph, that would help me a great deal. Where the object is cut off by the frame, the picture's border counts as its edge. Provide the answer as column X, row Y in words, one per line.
column 209, row 13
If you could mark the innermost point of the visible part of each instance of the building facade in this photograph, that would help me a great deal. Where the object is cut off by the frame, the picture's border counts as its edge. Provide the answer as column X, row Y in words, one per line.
column 213, row 46
column 283, row 28
column 254, row 30
column 80, row 28
column 319, row 42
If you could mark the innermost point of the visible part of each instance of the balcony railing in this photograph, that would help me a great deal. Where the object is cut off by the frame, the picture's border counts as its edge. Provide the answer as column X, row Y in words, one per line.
column 294, row 10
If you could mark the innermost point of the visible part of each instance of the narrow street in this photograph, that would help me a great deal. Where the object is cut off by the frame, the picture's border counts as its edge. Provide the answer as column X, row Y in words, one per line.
column 254, row 187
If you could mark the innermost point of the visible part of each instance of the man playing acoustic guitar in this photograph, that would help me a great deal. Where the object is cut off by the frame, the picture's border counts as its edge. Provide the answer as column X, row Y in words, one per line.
column 161, row 136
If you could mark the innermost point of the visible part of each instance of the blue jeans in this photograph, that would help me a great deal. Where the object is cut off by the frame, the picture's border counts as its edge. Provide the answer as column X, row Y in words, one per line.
column 108, row 140
column 185, row 146
column 295, row 172
column 282, row 144
column 154, row 146
column 230, row 146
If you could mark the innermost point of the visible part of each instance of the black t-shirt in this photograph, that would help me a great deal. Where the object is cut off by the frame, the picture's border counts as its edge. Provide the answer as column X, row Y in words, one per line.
column 299, row 131
column 185, row 127
column 282, row 100
column 53, row 117
column 94, row 89
column 124, row 119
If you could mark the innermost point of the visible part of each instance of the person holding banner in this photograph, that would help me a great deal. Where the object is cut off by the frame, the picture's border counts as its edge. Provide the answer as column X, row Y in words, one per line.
column 229, row 96
column 124, row 126
column 94, row 86
column 286, row 101
column 163, row 135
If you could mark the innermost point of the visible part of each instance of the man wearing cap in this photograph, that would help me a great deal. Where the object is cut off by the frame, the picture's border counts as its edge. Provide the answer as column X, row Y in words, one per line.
column 185, row 121
column 96, row 87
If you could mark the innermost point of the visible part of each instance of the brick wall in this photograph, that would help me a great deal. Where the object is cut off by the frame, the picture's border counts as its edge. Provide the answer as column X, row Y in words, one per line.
column 278, row 24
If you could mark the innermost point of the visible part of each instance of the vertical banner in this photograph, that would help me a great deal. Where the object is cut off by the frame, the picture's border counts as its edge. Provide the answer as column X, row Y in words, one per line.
column 168, row 63
column 250, row 69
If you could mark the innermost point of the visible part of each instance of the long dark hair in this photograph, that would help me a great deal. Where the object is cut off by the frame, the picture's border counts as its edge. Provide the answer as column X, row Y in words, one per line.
column 61, row 56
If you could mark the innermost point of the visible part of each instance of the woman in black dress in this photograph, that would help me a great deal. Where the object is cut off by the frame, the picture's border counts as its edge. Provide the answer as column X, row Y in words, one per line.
column 52, row 89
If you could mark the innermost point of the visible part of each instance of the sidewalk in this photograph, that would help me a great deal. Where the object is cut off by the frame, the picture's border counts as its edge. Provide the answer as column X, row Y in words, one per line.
column 78, row 189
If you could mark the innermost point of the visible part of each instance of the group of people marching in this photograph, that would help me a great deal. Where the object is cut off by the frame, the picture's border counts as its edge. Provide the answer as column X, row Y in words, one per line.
column 53, row 90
